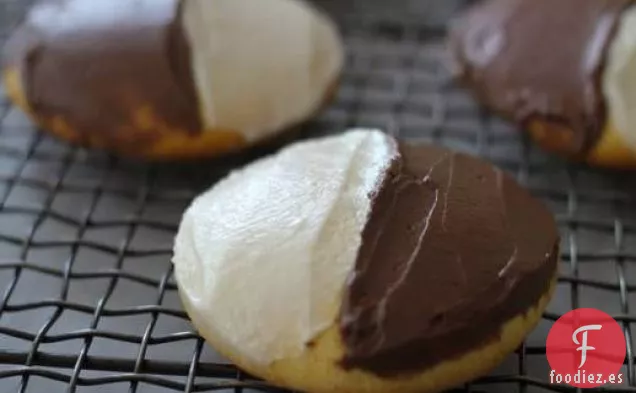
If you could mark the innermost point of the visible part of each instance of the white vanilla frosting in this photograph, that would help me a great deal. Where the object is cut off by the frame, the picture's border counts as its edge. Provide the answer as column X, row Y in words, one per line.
column 260, row 65
column 619, row 79
column 262, row 257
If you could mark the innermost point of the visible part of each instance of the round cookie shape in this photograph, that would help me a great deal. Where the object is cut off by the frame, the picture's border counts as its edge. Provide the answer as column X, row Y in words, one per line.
column 563, row 76
column 172, row 79
column 356, row 262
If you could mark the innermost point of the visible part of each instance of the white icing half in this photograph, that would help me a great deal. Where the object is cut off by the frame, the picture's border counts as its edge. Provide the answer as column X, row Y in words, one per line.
column 263, row 256
column 260, row 65
column 619, row 79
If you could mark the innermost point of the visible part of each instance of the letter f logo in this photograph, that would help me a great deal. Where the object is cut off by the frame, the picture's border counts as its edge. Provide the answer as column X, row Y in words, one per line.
column 583, row 344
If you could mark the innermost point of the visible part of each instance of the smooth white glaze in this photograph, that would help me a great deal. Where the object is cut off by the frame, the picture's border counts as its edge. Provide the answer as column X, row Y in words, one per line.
column 260, row 65
column 619, row 78
column 262, row 257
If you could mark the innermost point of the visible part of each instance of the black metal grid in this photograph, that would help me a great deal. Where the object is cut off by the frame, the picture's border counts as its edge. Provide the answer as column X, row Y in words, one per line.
column 87, row 298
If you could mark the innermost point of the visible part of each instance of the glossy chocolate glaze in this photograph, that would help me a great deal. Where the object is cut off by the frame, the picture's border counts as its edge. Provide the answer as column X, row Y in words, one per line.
column 540, row 60
column 453, row 249
column 95, row 63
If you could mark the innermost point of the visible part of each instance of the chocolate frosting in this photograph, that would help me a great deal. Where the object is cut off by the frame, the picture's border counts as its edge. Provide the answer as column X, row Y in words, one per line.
column 95, row 62
column 452, row 250
column 540, row 60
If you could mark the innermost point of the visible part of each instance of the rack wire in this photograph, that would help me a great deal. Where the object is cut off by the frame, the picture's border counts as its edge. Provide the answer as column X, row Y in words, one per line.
column 87, row 298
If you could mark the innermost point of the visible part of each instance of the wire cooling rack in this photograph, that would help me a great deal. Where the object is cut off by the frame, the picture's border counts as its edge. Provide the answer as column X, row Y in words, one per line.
column 87, row 298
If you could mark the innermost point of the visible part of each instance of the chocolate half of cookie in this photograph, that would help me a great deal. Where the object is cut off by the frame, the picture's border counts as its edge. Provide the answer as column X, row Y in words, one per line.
column 124, row 67
column 416, row 255
column 452, row 250
column 540, row 63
